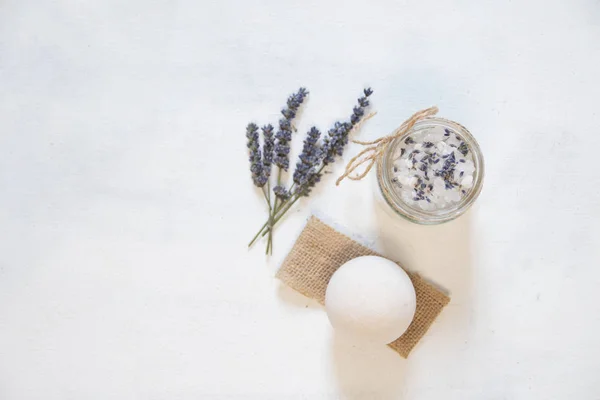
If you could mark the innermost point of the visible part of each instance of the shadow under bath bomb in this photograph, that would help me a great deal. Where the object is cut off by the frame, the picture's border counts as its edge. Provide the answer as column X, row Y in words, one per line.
column 321, row 250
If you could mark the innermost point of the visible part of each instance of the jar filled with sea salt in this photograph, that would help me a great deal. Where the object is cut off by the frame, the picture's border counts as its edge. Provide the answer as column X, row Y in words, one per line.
column 433, row 173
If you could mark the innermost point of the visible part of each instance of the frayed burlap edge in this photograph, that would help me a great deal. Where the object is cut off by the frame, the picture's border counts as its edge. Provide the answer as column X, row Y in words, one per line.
column 321, row 250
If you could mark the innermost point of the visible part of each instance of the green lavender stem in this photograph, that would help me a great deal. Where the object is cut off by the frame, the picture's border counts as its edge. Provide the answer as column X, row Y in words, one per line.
column 274, row 221
column 258, row 233
column 269, row 241
column 281, row 215
column 267, row 198
column 276, row 212
column 272, row 213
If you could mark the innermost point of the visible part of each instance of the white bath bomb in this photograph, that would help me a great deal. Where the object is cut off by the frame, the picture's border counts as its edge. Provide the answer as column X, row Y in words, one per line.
column 372, row 299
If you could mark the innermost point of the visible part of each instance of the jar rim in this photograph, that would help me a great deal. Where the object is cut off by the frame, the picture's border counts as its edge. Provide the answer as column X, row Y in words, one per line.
column 426, row 217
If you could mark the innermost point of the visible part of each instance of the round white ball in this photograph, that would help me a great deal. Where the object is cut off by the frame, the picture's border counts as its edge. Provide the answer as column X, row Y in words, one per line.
column 372, row 299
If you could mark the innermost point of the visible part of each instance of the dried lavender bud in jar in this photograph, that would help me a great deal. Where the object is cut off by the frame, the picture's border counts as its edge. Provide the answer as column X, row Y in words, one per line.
column 434, row 169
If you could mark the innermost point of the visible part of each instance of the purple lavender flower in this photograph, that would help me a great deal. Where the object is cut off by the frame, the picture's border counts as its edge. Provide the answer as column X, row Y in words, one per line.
column 282, row 148
column 256, row 165
column 284, row 134
column 313, row 177
column 268, row 145
column 338, row 135
column 281, row 192
column 309, row 159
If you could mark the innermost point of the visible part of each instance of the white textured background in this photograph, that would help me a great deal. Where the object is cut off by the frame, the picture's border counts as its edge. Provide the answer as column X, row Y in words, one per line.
column 126, row 203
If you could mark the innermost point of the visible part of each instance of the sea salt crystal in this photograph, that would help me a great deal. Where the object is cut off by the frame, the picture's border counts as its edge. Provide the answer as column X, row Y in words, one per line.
column 433, row 169
column 467, row 182
column 397, row 153
column 469, row 167
column 452, row 195
column 434, row 137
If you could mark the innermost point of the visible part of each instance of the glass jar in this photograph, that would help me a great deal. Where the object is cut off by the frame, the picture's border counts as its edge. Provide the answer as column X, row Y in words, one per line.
column 386, row 182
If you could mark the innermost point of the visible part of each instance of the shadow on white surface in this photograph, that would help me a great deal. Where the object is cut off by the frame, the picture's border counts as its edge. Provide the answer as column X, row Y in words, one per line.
column 362, row 370
column 291, row 297
column 367, row 371
column 441, row 254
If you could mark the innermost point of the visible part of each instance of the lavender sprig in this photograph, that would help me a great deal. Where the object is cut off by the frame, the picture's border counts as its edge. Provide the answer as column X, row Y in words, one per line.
column 256, row 165
column 281, row 150
column 284, row 134
column 338, row 135
column 313, row 159
column 335, row 143
column 268, row 146
column 309, row 158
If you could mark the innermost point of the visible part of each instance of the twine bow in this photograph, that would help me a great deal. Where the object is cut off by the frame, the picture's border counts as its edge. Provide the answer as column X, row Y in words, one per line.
column 377, row 147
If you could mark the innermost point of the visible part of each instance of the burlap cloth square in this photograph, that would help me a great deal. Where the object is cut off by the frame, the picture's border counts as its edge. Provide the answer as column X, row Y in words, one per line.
column 321, row 250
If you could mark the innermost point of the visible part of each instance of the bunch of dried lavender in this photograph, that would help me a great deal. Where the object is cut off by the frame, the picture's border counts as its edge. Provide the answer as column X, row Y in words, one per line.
column 311, row 162
column 275, row 150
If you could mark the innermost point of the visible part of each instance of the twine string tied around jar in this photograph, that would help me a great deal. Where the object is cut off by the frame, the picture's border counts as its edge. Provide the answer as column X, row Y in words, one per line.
column 376, row 148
